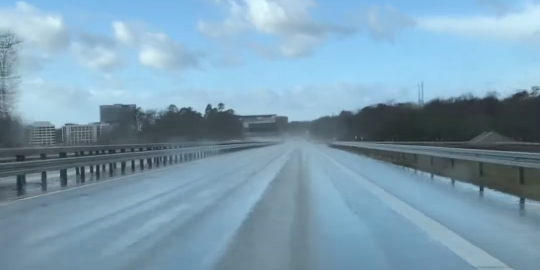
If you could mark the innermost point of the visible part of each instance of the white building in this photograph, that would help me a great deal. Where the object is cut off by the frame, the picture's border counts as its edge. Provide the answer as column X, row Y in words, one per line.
column 42, row 134
column 73, row 134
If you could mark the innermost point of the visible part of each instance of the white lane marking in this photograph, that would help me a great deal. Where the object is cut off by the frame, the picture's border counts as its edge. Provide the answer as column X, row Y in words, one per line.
column 472, row 254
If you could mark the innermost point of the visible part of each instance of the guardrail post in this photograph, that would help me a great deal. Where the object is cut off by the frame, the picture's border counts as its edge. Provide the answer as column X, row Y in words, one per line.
column 176, row 155
column 91, row 166
column 141, row 161
column 21, row 178
column 63, row 172
column 83, row 170
column 481, row 174
column 521, row 176
column 123, row 164
column 103, row 166
column 149, row 160
column 114, row 163
column 431, row 165
column 132, row 161
column 98, row 173
column 43, row 174
column 77, row 172
column 165, row 157
column 111, row 164
column 156, row 159
column 160, row 159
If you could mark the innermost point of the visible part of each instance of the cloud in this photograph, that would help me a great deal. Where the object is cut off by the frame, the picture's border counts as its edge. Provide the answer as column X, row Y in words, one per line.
column 45, row 30
column 156, row 50
column 98, row 52
column 288, row 20
column 124, row 33
column 233, row 24
column 46, row 36
column 384, row 22
column 37, row 97
column 519, row 25
column 496, row 6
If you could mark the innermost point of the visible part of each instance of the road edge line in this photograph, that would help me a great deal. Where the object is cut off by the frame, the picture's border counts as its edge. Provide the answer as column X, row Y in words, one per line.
column 473, row 255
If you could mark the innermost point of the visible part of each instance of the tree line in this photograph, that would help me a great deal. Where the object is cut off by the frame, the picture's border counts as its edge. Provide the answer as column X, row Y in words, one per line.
column 178, row 124
column 452, row 119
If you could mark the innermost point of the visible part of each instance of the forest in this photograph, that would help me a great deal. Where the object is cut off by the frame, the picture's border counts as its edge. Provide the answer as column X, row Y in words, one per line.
column 178, row 124
column 452, row 119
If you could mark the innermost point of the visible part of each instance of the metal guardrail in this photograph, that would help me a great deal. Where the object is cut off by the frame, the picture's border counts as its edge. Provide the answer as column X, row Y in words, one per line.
column 165, row 155
column 503, row 146
column 455, row 143
column 519, row 159
column 37, row 151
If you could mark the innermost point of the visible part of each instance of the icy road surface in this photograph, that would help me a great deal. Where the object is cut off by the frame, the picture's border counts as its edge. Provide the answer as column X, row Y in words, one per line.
column 292, row 206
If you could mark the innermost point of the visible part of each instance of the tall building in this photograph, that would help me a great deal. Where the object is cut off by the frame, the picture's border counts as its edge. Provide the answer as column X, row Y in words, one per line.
column 42, row 134
column 73, row 134
column 282, row 123
column 58, row 136
column 118, row 114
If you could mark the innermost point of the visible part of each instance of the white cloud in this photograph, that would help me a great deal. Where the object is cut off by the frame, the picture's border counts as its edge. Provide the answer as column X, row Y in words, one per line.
column 123, row 33
column 98, row 57
column 233, row 24
column 45, row 30
column 98, row 52
column 521, row 24
column 45, row 36
column 289, row 20
column 385, row 22
column 156, row 49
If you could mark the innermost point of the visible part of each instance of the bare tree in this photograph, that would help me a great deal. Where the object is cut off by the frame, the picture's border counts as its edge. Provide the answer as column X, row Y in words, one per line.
column 9, row 81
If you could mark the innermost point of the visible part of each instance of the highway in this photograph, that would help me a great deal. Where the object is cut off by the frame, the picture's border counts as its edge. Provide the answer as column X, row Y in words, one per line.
column 293, row 206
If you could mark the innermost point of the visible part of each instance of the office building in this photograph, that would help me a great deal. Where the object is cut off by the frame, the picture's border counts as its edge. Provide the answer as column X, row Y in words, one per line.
column 255, row 122
column 58, row 138
column 118, row 114
column 282, row 123
column 42, row 134
column 73, row 134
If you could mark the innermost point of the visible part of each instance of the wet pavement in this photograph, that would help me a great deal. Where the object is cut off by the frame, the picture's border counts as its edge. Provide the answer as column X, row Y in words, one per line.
column 34, row 185
column 292, row 206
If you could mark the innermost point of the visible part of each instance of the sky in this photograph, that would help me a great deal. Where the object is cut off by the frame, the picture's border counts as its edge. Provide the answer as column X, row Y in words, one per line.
column 298, row 58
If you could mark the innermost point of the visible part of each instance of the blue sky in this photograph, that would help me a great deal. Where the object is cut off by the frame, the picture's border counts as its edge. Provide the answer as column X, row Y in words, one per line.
column 300, row 58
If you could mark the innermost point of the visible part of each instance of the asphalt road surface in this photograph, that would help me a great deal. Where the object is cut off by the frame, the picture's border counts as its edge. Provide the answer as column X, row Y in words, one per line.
column 294, row 206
